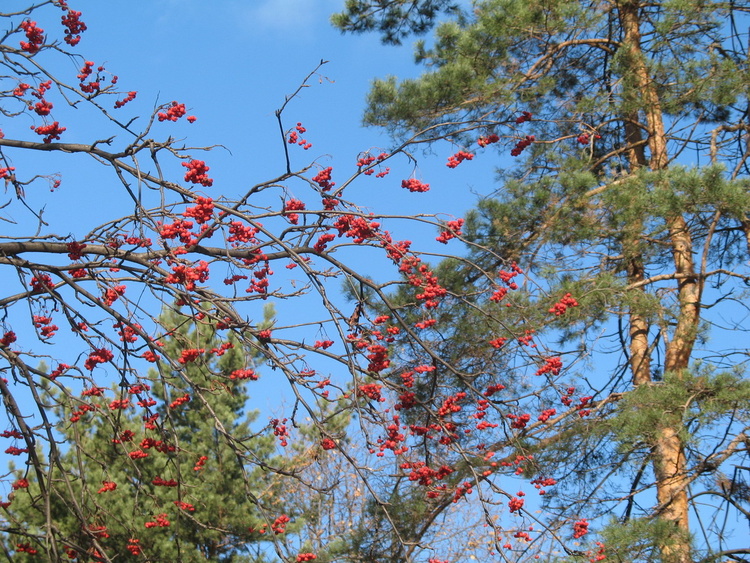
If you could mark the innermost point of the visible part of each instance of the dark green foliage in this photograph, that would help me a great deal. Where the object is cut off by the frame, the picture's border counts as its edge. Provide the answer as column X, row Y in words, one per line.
column 227, row 498
column 393, row 19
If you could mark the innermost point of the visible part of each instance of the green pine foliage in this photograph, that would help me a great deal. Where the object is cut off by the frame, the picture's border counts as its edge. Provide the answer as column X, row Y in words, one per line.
column 595, row 208
column 199, row 491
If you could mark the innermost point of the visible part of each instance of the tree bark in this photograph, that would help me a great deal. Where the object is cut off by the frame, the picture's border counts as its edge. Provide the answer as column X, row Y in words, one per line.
column 668, row 450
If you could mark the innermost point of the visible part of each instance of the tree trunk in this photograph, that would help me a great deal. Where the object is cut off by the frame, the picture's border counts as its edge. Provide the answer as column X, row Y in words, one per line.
column 668, row 450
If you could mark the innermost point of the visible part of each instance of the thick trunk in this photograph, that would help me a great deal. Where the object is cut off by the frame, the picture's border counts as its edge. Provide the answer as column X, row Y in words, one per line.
column 668, row 450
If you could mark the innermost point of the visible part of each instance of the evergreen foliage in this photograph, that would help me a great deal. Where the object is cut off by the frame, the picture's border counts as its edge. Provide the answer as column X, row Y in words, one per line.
column 633, row 196
column 197, row 478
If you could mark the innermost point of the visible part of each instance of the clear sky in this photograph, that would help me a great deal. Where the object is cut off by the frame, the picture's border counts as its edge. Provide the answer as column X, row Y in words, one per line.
column 232, row 63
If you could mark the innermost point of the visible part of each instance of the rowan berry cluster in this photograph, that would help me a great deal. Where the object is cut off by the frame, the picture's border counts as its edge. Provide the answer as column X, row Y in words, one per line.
column 585, row 138
column 129, row 98
column 453, row 230
column 372, row 391
column 456, row 159
column 551, row 366
column 281, row 432
column 242, row 374
column 323, row 179
column 289, row 207
column 98, row 356
column 93, row 86
column 132, row 547
column 159, row 522
column 368, row 160
column 174, row 112
column 279, row 525
column 414, row 185
column 294, row 137
column 6, row 172
column 561, row 306
column 519, row 421
column 203, row 210
column 35, row 36
column 107, row 486
column 73, row 25
column 44, row 326
column 50, row 132
column 515, row 504
column 522, row 144
column 197, row 173
column 112, row 294
column 190, row 355
column 546, row 415
column 488, row 140
column 580, row 529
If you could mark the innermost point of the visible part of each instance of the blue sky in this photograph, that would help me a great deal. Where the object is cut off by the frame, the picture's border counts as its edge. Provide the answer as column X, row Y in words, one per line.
column 233, row 64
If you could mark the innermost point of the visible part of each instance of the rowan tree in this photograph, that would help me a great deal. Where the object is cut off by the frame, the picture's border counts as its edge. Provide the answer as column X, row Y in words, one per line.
column 624, row 192
column 89, row 354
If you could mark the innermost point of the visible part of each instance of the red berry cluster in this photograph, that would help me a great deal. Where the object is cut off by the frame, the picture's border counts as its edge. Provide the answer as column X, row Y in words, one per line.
column 190, row 355
column 203, row 211
column 372, row 391
column 525, row 116
column 323, row 178
column 112, row 294
column 585, row 138
column 50, row 132
column 160, row 521
column 551, row 366
column 546, row 415
column 560, row 307
column 35, row 36
column 454, row 230
column 93, row 86
column 294, row 137
column 522, row 144
column 6, row 172
column 580, row 528
column 365, row 161
column 107, row 486
column 519, row 421
column 244, row 374
column 98, row 356
column 41, row 283
column 515, row 504
column 197, row 173
column 129, row 98
column 487, row 140
column 456, row 159
column 44, row 326
column 280, row 430
column 8, row 339
column 293, row 205
column 174, row 112
column 414, row 185
column 132, row 547
column 73, row 26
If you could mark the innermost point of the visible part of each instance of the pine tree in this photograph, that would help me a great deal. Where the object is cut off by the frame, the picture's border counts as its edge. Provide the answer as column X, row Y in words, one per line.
column 186, row 492
column 630, row 192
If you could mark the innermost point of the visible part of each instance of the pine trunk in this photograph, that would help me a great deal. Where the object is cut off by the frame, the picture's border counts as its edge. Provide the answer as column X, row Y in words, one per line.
column 668, row 450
